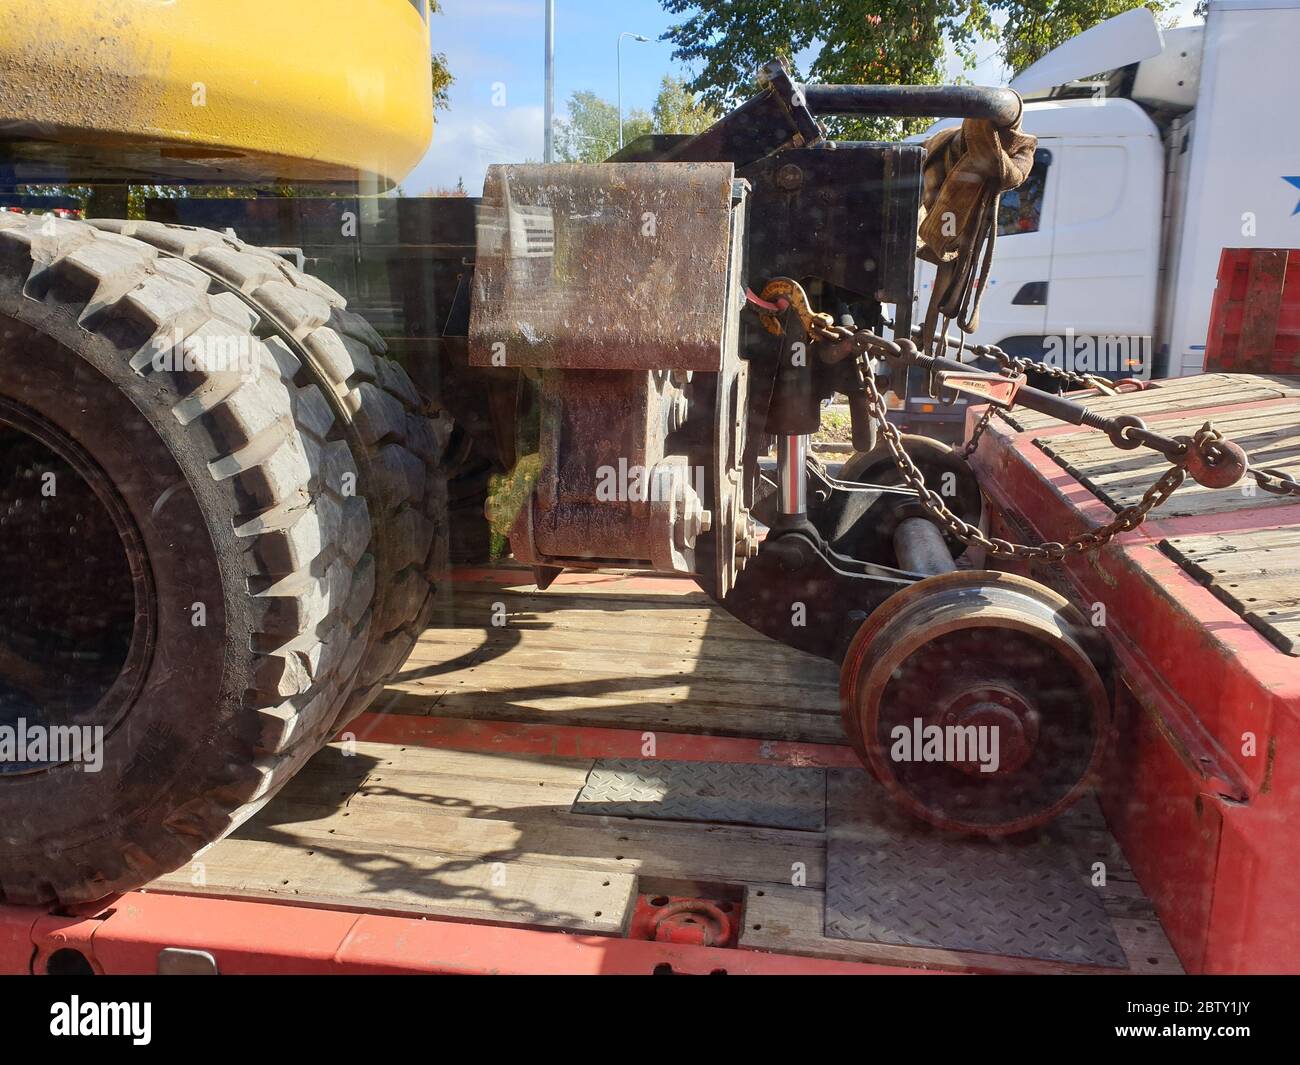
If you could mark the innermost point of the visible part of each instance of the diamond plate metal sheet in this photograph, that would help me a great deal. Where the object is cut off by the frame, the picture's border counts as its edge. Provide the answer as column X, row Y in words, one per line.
column 768, row 796
column 892, row 879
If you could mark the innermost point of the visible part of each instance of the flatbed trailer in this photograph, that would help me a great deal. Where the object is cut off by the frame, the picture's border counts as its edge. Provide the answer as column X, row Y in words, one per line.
column 1202, row 608
column 438, row 835
column 447, row 830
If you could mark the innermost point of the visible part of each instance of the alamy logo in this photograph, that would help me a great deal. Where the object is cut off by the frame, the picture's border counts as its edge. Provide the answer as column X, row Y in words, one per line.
column 75, row 1017
column 635, row 484
column 1122, row 355
column 206, row 353
column 954, row 744
column 84, row 744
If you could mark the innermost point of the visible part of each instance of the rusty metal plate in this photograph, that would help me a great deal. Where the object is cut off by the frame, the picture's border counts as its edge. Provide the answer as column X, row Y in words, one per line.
column 893, row 879
column 1262, row 310
column 612, row 266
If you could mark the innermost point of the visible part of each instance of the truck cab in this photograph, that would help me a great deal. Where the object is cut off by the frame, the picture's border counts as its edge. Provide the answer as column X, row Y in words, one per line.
column 1078, row 244
column 1106, row 258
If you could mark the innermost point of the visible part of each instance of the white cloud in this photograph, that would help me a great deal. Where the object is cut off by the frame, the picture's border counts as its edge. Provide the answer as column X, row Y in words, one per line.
column 467, row 140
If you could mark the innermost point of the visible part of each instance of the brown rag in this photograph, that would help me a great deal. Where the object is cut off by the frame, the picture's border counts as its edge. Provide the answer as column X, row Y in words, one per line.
column 967, row 168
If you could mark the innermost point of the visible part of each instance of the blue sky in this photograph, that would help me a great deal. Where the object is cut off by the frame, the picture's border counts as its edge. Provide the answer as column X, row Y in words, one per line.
column 495, row 47
column 491, row 42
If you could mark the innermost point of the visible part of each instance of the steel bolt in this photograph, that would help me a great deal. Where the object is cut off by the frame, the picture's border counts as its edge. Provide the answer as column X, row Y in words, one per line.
column 789, row 178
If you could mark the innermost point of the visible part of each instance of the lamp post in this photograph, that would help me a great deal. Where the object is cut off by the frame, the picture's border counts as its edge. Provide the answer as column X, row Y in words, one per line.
column 548, row 135
column 619, row 50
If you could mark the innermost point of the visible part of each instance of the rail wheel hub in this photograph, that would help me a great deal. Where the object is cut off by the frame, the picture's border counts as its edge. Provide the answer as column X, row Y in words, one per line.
column 977, row 699
column 1001, row 709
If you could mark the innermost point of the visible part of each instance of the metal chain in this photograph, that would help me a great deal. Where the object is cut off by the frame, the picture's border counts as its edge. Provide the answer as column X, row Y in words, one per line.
column 980, row 426
column 1272, row 481
column 1276, row 482
column 1008, row 367
column 1127, row 519
column 820, row 326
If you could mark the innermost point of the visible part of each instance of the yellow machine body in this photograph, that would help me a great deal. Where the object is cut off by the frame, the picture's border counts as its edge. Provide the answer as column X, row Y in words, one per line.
column 214, row 90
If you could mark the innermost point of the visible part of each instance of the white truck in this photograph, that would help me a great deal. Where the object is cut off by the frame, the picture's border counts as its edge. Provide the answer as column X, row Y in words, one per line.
column 1156, row 150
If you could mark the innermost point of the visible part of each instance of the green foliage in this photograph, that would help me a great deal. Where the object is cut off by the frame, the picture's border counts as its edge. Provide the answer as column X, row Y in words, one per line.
column 866, row 42
column 590, row 133
column 139, row 193
column 1034, row 27
column 441, row 75
column 679, row 110
column 80, row 193
column 850, row 42
column 442, row 82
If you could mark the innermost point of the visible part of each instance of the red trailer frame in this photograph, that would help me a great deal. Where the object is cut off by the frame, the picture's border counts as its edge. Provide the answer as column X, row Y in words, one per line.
column 1208, row 829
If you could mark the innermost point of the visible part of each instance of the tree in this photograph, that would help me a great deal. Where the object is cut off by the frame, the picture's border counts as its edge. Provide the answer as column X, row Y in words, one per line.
column 855, row 42
column 678, row 110
column 590, row 133
column 1034, row 28
column 441, row 75
column 883, row 42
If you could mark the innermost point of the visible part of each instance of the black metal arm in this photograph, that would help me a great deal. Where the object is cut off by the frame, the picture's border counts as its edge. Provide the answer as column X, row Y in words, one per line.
column 1000, row 106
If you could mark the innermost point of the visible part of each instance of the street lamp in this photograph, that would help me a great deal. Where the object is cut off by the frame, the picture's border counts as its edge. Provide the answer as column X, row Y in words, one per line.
column 548, row 135
column 619, row 50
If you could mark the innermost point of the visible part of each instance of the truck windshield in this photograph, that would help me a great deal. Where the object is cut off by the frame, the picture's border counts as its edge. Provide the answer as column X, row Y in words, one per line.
column 1020, row 210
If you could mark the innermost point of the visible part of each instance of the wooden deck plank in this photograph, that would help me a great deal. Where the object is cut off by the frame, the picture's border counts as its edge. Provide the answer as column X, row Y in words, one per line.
column 596, row 709
column 584, row 661
column 488, row 835
column 563, row 634
column 618, row 591
column 354, row 874
column 608, row 647
column 524, row 674
column 1255, row 573
column 1105, row 465
column 1270, row 436
column 1274, row 418
column 464, row 805
column 1215, row 546
column 537, row 611
column 551, row 836
column 657, row 660
column 1186, row 393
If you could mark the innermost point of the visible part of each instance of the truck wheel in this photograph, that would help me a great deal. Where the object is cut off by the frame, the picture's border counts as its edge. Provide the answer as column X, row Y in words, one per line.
column 399, row 451
column 187, row 584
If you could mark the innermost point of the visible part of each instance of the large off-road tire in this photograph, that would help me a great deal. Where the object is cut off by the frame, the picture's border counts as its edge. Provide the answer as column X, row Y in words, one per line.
column 185, row 568
column 399, row 451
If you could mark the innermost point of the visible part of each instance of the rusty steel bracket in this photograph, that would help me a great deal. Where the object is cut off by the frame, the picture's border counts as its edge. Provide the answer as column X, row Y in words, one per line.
column 777, row 118
column 622, row 266
column 618, row 290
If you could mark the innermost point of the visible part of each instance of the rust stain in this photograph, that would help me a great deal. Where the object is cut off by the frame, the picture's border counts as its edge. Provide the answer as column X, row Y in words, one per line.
column 617, row 266
column 1267, row 784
